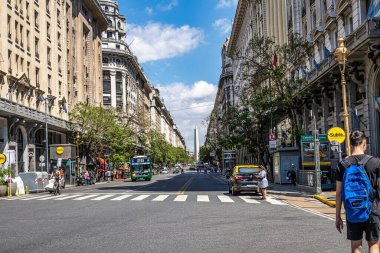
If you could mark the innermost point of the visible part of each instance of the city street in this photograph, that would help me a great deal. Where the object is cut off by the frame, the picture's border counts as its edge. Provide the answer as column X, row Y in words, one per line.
column 173, row 213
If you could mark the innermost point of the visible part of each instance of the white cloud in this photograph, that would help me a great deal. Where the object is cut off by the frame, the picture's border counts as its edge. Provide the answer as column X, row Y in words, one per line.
column 189, row 106
column 223, row 25
column 149, row 10
column 226, row 3
column 169, row 6
column 156, row 41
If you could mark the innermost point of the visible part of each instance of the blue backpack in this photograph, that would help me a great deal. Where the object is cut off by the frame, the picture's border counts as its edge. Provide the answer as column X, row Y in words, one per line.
column 357, row 192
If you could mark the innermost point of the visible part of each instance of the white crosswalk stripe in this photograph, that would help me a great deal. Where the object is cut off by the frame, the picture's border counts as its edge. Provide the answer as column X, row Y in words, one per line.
column 87, row 197
column 249, row 200
column 275, row 202
column 36, row 197
column 180, row 198
column 68, row 197
column 121, row 197
column 203, row 198
column 160, row 198
column 141, row 197
column 225, row 199
column 104, row 197
column 52, row 197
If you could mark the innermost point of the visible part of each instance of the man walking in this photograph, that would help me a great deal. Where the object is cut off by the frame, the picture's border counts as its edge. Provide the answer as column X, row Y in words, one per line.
column 370, row 227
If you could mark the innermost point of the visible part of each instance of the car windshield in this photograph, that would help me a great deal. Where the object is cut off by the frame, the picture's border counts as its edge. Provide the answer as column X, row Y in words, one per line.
column 142, row 167
column 248, row 170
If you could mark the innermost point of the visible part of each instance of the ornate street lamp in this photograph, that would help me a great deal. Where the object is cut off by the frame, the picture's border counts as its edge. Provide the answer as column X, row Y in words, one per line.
column 340, row 55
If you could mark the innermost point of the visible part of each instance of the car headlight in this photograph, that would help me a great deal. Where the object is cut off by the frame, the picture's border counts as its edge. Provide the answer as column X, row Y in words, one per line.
column 133, row 174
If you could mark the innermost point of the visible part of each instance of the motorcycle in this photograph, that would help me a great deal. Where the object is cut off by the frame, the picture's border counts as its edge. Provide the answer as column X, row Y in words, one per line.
column 52, row 185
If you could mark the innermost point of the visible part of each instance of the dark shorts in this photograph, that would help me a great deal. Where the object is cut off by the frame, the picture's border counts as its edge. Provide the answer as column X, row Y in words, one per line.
column 370, row 227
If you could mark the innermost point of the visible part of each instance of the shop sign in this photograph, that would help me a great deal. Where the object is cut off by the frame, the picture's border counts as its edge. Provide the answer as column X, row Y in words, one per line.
column 3, row 158
column 60, row 150
column 336, row 134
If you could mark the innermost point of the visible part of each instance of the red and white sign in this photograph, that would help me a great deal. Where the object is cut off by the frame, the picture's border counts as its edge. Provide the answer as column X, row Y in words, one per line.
column 43, row 181
column 272, row 137
column 36, row 181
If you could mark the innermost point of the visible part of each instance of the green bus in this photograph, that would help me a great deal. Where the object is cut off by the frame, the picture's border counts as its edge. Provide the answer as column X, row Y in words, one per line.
column 141, row 168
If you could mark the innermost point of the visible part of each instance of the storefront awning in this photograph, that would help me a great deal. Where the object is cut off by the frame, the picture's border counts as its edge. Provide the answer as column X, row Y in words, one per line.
column 102, row 161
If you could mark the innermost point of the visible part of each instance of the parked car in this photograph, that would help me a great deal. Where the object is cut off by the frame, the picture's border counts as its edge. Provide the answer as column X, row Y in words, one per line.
column 164, row 171
column 176, row 170
column 243, row 178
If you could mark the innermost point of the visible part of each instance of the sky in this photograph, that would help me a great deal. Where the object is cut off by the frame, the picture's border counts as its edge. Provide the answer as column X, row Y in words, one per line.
column 178, row 43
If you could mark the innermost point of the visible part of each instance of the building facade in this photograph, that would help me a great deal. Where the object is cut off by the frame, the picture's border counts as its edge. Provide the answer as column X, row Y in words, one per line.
column 125, row 85
column 321, row 22
column 36, row 71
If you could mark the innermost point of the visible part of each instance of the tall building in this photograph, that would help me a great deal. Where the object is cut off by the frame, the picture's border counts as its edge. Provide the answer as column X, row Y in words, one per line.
column 125, row 85
column 321, row 22
column 38, row 59
column 196, row 145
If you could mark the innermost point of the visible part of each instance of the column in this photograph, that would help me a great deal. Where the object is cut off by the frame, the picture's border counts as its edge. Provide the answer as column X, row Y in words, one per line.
column 113, row 88
column 124, row 75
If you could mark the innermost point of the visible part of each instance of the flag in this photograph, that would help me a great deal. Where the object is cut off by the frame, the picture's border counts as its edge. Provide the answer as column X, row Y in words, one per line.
column 316, row 65
column 374, row 9
column 304, row 72
column 275, row 60
column 326, row 52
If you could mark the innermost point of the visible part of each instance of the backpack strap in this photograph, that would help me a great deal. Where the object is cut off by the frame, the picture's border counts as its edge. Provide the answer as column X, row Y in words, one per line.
column 365, row 160
column 345, row 163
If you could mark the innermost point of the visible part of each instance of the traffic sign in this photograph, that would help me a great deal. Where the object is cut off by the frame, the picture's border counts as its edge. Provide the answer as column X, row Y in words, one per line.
column 36, row 181
column 42, row 158
column 272, row 144
column 3, row 158
column 60, row 150
column 272, row 137
column 336, row 134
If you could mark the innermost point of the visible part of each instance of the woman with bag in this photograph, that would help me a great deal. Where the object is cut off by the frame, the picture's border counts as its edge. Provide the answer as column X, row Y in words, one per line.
column 263, row 182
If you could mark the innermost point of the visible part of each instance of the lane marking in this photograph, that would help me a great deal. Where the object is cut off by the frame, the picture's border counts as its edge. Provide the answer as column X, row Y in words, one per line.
column 203, row 198
column 186, row 185
column 141, row 197
column 52, row 197
column 103, row 197
column 87, row 197
column 121, row 197
column 249, row 200
column 275, row 201
column 225, row 199
column 37, row 197
column 69, row 197
column 313, row 212
column 160, row 198
column 180, row 198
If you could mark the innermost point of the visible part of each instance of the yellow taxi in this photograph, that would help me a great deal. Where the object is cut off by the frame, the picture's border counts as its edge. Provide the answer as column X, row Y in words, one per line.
column 243, row 178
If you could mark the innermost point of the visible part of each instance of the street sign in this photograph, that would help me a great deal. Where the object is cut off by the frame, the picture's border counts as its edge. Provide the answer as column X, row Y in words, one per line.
column 41, row 164
column 59, row 162
column 212, row 153
column 42, row 158
column 3, row 158
column 60, row 150
column 336, row 134
column 272, row 137
column 310, row 138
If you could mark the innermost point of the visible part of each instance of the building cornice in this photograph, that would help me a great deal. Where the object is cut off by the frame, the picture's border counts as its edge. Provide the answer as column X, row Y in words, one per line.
column 238, row 22
column 97, row 13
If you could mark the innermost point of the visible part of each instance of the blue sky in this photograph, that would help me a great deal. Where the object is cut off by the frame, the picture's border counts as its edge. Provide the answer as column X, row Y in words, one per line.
column 178, row 43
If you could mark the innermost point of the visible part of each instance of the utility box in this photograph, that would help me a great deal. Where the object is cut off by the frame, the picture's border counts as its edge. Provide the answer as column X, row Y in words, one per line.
column 284, row 160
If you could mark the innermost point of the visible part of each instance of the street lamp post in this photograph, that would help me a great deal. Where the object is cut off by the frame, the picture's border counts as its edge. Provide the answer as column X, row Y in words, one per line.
column 77, row 160
column 340, row 55
column 46, row 138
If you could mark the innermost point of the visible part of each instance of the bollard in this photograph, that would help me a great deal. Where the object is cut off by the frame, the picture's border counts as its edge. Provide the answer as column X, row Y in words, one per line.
column 26, row 191
column 9, row 191
column 18, row 192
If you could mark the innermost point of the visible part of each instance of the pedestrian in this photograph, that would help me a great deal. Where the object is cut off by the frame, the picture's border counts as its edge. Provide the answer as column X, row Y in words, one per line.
column 86, row 177
column 108, row 176
column 367, row 180
column 263, row 182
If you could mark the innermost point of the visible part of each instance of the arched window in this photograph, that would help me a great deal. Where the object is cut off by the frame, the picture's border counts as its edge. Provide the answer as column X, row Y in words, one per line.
column 106, row 8
column 117, row 61
column 118, row 25
column 109, row 22
column 105, row 60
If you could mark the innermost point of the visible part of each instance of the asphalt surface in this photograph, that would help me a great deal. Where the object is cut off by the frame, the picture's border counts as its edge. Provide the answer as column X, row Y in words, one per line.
column 150, row 217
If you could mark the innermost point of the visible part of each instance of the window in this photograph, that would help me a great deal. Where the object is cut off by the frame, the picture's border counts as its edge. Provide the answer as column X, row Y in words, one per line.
column 106, row 8
column 27, row 10
column 117, row 46
column 49, row 56
column 28, row 69
column 36, row 19
column 9, row 27
column 28, row 40
column 109, row 22
column 37, row 77
column 48, row 30
column 119, row 25
column 16, row 29
column 36, row 47
column 10, row 61
column 109, row 35
column 349, row 24
column 48, row 7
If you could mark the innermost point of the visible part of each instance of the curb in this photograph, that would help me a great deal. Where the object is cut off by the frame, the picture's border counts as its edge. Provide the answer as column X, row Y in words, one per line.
column 325, row 200
column 290, row 194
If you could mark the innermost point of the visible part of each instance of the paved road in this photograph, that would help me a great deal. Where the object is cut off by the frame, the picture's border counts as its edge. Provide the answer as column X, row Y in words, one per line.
column 173, row 213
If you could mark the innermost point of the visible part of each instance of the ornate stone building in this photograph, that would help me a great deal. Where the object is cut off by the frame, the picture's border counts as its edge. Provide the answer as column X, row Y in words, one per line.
column 321, row 22
column 39, row 65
